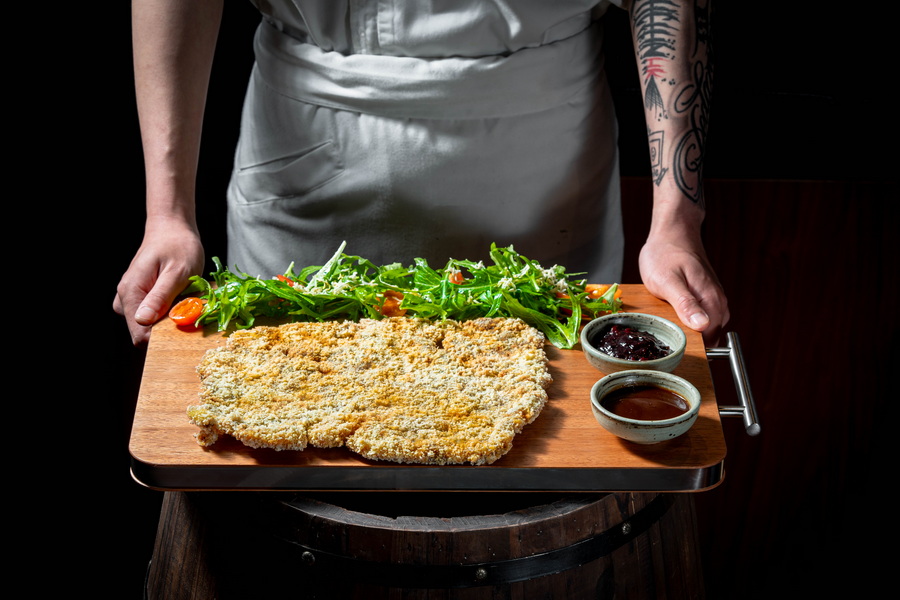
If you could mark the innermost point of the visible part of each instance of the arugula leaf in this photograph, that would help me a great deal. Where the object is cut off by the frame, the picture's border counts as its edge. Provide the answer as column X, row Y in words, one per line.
column 351, row 287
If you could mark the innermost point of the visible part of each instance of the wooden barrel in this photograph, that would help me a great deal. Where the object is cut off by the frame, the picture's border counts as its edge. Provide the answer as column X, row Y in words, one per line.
column 455, row 546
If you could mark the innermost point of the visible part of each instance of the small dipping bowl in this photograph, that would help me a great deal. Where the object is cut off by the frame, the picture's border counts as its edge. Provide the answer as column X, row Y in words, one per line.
column 664, row 330
column 638, row 431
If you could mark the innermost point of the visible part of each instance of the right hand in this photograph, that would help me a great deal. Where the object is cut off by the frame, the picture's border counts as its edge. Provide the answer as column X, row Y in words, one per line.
column 170, row 254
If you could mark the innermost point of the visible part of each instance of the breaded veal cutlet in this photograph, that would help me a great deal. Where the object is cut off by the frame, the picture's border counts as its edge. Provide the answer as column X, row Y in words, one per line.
column 397, row 389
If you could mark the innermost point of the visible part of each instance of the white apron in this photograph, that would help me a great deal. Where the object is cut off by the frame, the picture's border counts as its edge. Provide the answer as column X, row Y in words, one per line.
column 429, row 129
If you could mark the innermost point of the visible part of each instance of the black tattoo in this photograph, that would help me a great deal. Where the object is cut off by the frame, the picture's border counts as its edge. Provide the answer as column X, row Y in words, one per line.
column 656, row 24
column 693, row 101
column 656, row 156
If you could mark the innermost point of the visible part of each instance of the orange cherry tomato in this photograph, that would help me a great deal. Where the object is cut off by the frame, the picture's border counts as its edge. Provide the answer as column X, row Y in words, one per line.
column 595, row 290
column 187, row 311
column 391, row 305
column 455, row 277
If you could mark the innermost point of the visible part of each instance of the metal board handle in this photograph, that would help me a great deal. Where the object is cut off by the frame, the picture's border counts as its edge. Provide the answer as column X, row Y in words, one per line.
column 747, row 407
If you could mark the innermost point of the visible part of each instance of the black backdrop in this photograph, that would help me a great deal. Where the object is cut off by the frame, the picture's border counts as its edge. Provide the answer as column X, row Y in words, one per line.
column 797, row 97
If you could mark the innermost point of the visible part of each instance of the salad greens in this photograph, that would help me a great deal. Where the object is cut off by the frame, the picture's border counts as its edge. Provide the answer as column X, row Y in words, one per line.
column 351, row 287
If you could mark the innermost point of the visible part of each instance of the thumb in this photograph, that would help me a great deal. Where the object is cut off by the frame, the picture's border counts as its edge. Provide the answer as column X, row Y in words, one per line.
column 151, row 309
column 689, row 310
column 154, row 305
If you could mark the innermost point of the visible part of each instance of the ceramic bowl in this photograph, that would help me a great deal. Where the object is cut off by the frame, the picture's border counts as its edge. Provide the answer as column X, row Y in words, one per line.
column 664, row 330
column 639, row 431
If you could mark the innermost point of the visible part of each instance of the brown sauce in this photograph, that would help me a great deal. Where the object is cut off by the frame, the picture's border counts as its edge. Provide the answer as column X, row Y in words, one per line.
column 645, row 402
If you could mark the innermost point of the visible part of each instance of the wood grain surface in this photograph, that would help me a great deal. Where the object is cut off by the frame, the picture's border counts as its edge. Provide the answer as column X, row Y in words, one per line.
column 565, row 448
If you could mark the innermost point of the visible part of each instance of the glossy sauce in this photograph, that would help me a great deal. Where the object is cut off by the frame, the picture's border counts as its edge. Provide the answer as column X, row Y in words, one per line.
column 621, row 341
column 645, row 402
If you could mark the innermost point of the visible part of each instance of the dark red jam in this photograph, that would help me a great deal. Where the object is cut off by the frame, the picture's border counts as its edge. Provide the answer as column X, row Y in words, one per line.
column 621, row 341
column 645, row 403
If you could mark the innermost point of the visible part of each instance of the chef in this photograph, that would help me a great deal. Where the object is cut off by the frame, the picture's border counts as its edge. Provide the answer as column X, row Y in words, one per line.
column 426, row 128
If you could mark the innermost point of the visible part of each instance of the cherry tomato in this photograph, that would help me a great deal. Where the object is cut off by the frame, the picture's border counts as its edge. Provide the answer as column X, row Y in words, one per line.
column 391, row 305
column 187, row 311
column 455, row 277
column 595, row 290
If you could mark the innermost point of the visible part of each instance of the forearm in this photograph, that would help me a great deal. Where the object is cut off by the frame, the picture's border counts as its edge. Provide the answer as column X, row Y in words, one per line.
column 671, row 39
column 174, row 42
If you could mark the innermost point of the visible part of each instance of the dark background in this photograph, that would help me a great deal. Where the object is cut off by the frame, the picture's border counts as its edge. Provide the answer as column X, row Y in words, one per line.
column 800, row 207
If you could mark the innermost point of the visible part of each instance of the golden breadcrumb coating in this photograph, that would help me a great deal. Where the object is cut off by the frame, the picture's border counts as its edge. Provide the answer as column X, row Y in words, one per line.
column 397, row 389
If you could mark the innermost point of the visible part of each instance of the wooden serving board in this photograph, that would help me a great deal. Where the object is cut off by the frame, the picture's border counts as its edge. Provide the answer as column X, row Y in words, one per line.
column 564, row 449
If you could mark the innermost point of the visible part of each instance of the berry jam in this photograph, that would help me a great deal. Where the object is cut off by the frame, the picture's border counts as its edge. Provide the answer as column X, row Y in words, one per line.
column 624, row 342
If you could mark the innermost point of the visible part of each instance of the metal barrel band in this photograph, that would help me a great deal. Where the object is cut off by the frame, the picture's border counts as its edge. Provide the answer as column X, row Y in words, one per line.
column 487, row 573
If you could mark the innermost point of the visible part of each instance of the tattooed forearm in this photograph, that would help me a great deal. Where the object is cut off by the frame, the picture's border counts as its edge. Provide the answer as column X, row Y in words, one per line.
column 655, row 23
column 672, row 46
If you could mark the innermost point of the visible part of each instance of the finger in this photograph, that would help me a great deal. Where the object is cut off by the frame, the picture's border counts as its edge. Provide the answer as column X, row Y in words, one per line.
column 712, row 336
column 117, row 306
column 123, row 306
column 687, row 307
column 718, row 309
column 154, row 305
column 140, row 334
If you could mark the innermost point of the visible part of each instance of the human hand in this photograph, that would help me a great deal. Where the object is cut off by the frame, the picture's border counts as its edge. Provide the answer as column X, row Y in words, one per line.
column 169, row 255
column 675, row 268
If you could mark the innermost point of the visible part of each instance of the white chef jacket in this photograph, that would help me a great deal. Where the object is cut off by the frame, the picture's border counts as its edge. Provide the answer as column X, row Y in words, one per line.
column 427, row 128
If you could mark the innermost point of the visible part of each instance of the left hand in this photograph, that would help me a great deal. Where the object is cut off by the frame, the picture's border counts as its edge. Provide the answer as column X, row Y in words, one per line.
column 675, row 268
